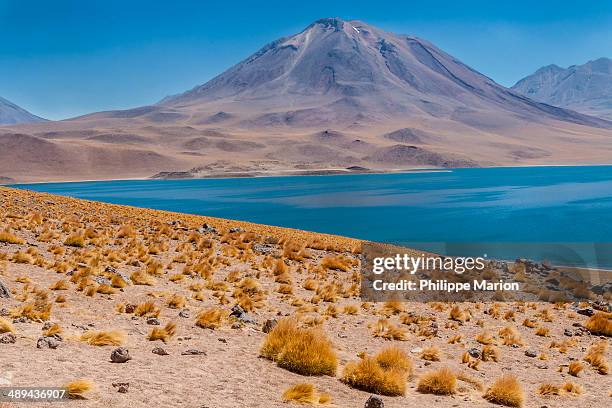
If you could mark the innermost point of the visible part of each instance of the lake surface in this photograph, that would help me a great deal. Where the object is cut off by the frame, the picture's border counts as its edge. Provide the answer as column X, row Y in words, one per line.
column 563, row 214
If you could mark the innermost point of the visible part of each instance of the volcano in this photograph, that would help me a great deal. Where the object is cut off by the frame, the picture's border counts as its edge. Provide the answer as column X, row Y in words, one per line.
column 339, row 94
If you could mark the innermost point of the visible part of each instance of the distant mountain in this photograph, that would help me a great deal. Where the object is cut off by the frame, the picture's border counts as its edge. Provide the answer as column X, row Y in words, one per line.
column 11, row 114
column 339, row 94
column 584, row 88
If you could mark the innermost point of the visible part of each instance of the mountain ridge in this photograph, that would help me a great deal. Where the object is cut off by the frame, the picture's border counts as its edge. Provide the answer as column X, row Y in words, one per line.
column 585, row 88
column 11, row 114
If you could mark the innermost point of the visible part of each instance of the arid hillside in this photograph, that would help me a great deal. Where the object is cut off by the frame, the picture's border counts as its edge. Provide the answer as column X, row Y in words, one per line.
column 124, row 306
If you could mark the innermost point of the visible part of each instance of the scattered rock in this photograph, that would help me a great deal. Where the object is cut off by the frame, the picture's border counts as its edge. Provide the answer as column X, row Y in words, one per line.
column 101, row 280
column 4, row 312
column 184, row 313
column 4, row 291
column 110, row 269
column 7, row 338
column 239, row 313
column 120, row 355
column 159, row 351
column 530, row 353
column 129, row 308
column 542, row 366
column 568, row 332
column 153, row 321
column 374, row 402
column 222, row 340
column 264, row 249
column 417, row 350
column 474, row 352
column 122, row 387
column 235, row 229
column 193, row 352
column 205, row 228
column 586, row 312
column 47, row 325
column 269, row 325
column 47, row 342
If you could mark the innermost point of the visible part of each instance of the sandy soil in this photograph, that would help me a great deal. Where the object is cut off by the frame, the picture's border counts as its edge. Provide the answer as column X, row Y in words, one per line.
column 231, row 373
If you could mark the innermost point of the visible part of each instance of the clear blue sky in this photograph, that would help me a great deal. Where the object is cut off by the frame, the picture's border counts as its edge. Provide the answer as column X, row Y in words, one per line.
column 63, row 58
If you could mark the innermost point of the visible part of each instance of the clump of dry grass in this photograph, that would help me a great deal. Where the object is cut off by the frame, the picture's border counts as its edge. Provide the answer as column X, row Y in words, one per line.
column 8, row 238
column 103, row 338
column 485, row 338
column 490, row 353
column 177, row 301
column 549, row 389
column 305, row 351
column 61, row 284
column 142, row 278
column 572, row 388
column 305, row 393
column 53, row 330
column 21, row 257
column 76, row 389
column 75, row 240
column 383, row 328
column 431, row 354
column 211, row 318
column 596, row 357
column 600, row 324
column 6, row 326
column 575, row 367
column 542, row 331
column 510, row 336
column 162, row 333
column 440, row 382
column 384, row 374
column 147, row 309
column 506, row 390
column 335, row 262
column 459, row 315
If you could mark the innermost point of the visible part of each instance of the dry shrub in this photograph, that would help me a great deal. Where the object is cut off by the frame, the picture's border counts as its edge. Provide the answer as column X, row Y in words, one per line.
column 549, row 389
column 305, row 351
column 572, row 388
column 118, row 282
column 177, row 301
column 335, row 262
column 310, row 284
column 490, row 353
column 162, row 333
column 6, row 326
column 542, row 331
column 211, row 318
column 21, row 257
column 305, row 393
column 596, row 357
column 76, row 389
column 440, row 382
column 485, row 338
column 529, row 323
column 103, row 338
column 431, row 354
column 350, row 309
column 575, row 367
column 384, row 374
column 61, row 284
column 147, row 309
column 600, row 324
column 392, row 307
column 142, row 278
column 507, row 391
column 75, row 240
column 383, row 328
column 510, row 336
column 459, row 315
column 105, row 289
column 9, row 238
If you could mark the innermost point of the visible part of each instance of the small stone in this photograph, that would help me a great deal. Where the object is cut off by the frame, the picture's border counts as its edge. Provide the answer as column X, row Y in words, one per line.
column 153, row 321
column 120, row 355
column 542, row 366
column 417, row 350
column 530, row 353
column 193, row 352
column 342, row 335
column 586, row 312
column 4, row 291
column 47, row 325
column 129, row 308
column 159, row 351
column 474, row 352
column 374, row 402
column 122, row 387
column 48, row 342
column 269, row 325
column 184, row 313
column 7, row 338
column 236, row 229
column 568, row 333
column 222, row 340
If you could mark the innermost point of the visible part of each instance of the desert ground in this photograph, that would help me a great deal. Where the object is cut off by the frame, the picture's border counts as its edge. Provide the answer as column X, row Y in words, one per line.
column 84, row 278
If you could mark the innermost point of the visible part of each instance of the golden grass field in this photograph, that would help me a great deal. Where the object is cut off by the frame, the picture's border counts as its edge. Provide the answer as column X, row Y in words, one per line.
column 89, row 277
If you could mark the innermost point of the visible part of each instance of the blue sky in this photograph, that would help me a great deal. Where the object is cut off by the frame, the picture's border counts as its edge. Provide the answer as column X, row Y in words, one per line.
column 63, row 58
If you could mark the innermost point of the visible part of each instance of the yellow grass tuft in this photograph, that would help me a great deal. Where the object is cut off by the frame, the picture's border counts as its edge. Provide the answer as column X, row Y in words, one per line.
column 305, row 351
column 441, row 382
column 431, row 354
column 142, row 278
column 6, row 326
column 75, row 240
column 596, row 357
column 9, row 238
column 600, row 324
column 305, row 393
column 384, row 374
column 549, row 389
column 507, row 391
column 575, row 367
column 147, row 309
column 76, row 389
column 164, row 334
column 211, row 318
column 177, row 301
column 485, row 338
column 103, row 338
column 54, row 329
column 572, row 388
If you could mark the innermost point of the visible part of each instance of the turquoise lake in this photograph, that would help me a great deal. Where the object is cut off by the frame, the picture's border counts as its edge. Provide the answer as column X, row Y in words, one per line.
column 561, row 214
